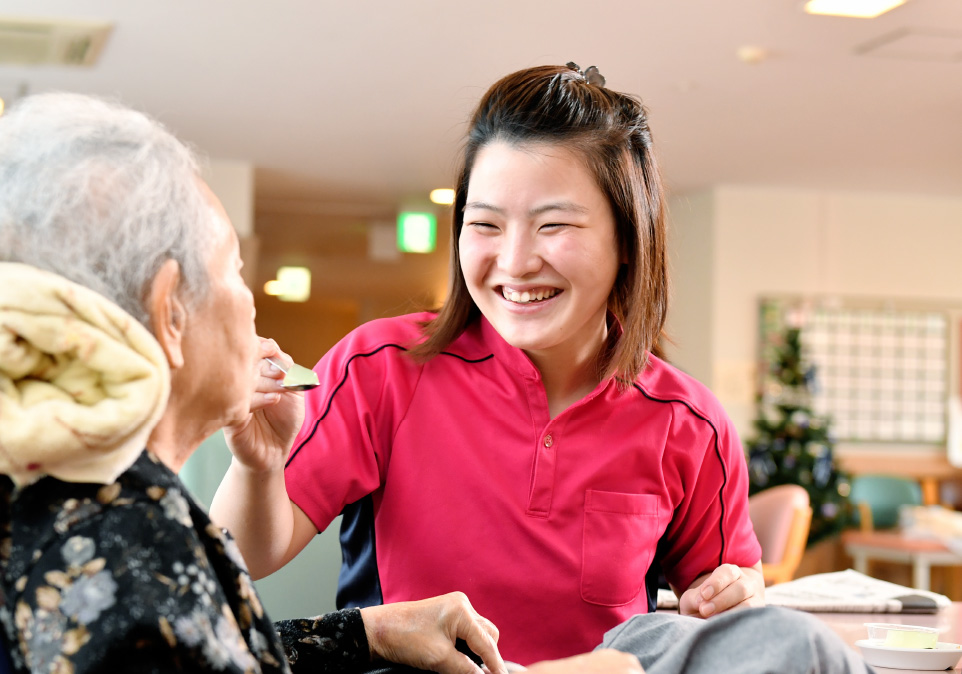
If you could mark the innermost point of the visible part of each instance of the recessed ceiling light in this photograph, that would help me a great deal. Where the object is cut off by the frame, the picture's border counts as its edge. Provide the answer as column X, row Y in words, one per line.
column 443, row 196
column 752, row 54
column 861, row 9
column 916, row 44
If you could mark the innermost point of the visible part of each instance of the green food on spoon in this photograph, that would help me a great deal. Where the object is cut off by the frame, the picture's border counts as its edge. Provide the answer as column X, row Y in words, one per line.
column 296, row 377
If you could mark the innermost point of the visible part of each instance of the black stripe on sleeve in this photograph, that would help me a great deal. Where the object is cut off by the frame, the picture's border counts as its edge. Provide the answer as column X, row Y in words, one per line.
column 330, row 400
column 721, row 498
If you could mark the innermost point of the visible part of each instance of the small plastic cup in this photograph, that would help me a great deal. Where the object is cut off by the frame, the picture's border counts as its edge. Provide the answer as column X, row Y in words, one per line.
column 902, row 636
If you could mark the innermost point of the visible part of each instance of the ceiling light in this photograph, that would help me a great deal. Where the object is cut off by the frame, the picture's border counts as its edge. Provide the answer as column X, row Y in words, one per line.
column 443, row 196
column 293, row 284
column 862, row 9
column 2, row 106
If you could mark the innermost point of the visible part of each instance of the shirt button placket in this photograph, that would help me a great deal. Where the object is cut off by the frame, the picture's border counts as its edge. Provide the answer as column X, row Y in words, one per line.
column 539, row 503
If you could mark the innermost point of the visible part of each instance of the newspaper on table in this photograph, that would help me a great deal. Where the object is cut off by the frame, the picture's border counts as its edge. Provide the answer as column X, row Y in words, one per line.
column 852, row 592
column 841, row 592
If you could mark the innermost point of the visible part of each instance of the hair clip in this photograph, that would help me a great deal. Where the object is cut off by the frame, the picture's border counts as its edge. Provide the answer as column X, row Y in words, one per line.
column 590, row 74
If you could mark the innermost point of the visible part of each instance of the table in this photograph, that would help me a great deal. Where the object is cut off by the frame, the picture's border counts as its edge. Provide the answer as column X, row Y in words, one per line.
column 851, row 627
column 890, row 546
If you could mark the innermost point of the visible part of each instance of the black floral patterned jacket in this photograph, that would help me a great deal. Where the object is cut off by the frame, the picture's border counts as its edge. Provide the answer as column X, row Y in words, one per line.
column 134, row 577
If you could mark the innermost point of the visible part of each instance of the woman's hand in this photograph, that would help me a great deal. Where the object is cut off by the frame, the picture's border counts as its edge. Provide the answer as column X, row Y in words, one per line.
column 598, row 662
column 262, row 441
column 422, row 634
column 725, row 588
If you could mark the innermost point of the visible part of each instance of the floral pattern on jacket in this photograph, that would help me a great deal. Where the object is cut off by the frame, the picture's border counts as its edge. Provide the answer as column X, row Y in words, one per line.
column 134, row 577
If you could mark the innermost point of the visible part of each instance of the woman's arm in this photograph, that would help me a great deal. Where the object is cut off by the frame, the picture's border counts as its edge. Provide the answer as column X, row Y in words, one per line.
column 717, row 527
column 269, row 529
column 423, row 634
column 420, row 634
column 330, row 643
column 251, row 501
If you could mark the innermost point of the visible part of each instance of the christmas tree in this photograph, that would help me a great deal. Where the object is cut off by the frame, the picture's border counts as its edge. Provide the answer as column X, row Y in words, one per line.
column 793, row 445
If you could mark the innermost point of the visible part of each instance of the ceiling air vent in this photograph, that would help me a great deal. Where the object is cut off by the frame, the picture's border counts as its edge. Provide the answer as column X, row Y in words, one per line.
column 916, row 44
column 51, row 41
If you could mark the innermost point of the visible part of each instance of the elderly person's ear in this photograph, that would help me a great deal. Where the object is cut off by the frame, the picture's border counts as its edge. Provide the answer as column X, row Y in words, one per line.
column 168, row 315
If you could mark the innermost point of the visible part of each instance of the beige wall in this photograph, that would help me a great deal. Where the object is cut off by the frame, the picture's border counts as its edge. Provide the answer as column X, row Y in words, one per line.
column 691, row 252
column 764, row 241
column 233, row 183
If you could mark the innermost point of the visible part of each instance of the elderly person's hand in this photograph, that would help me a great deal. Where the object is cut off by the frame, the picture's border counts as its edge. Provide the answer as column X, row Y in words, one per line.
column 262, row 441
column 725, row 588
column 423, row 633
column 605, row 661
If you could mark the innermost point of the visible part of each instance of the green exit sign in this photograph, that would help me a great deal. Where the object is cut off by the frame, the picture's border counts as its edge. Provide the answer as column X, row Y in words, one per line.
column 416, row 232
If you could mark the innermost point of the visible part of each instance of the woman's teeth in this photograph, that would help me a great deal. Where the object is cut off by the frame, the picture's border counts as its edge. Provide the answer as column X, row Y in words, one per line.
column 528, row 296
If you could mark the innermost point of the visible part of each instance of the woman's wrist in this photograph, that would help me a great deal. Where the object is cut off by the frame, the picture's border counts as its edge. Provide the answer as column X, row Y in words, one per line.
column 314, row 644
column 257, row 471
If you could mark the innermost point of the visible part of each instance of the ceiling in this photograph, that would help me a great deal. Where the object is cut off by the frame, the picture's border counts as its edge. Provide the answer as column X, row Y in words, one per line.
column 364, row 102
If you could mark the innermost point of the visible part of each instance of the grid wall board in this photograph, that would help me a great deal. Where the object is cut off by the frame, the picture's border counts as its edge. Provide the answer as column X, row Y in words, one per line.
column 881, row 375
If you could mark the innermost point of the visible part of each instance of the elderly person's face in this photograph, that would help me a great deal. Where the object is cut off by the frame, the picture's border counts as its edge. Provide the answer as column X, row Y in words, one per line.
column 220, row 343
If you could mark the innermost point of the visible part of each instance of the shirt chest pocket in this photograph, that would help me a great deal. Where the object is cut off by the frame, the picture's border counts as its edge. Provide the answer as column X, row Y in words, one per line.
column 620, row 535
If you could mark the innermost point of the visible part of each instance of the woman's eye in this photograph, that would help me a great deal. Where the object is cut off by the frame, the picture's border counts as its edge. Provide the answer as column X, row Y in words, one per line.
column 482, row 225
column 553, row 225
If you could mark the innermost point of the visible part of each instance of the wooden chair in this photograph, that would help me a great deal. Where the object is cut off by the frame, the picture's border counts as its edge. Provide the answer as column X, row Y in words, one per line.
column 781, row 517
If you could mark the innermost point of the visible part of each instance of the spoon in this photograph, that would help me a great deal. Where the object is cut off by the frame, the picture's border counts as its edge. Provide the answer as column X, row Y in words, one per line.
column 297, row 377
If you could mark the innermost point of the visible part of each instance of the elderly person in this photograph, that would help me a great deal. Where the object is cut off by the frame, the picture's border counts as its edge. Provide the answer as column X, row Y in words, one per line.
column 126, row 338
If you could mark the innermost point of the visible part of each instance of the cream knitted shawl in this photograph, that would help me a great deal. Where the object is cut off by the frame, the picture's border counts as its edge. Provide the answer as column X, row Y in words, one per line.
column 82, row 383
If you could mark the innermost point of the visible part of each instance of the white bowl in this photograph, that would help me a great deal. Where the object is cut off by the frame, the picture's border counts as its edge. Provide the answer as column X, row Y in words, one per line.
column 943, row 656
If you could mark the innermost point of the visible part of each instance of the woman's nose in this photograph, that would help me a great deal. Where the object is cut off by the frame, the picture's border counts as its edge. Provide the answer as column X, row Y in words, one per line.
column 519, row 255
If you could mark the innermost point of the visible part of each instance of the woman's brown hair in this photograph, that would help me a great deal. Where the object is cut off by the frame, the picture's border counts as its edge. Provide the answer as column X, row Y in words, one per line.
column 555, row 105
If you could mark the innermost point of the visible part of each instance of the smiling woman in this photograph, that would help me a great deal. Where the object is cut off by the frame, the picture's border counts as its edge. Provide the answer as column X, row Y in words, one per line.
column 525, row 445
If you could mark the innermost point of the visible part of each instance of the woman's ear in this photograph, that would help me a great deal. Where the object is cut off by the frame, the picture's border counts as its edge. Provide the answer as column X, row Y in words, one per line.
column 167, row 313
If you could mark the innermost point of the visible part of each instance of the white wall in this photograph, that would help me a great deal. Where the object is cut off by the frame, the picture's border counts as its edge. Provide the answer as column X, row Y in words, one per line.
column 233, row 183
column 780, row 241
column 691, row 244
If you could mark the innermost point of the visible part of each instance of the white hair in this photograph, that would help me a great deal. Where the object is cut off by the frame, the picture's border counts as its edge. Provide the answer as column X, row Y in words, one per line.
column 102, row 195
